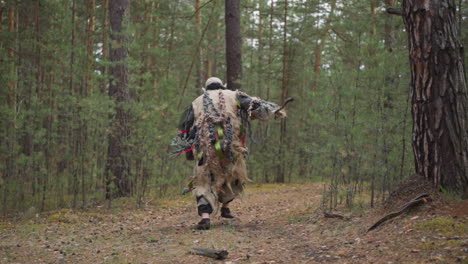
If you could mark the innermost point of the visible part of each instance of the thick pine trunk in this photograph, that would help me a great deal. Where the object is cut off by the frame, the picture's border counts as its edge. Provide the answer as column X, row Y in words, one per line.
column 233, row 44
column 118, row 150
column 439, row 93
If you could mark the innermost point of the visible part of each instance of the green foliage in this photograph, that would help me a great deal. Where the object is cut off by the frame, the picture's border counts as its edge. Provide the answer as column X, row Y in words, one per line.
column 444, row 226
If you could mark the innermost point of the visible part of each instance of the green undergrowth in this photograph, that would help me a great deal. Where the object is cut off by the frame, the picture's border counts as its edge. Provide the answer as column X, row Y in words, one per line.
column 268, row 187
column 440, row 244
column 450, row 196
column 443, row 225
column 4, row 226
column 298, row 219
column 31, row 228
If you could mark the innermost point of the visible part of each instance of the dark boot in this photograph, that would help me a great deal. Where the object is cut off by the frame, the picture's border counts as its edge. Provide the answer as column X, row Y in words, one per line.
column 226, row 213
column 204, row 224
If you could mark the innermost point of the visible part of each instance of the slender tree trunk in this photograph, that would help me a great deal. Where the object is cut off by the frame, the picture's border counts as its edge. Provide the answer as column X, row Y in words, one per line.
column 439, row 93
column 156, row 36
column 105, row 42
column 389, row 35
column 90, row 47
column 270, row 51
column 373, row 12
column 195, row 58
column 217, row 50
column 171, row 37
column 261, row 44
column 233, row 45
column 199, row 77
column 74, row 133
column 118, row 149
column 320, row 45
column 266, row 172
column 284, row 93
column 103, row 86
column 9, row 173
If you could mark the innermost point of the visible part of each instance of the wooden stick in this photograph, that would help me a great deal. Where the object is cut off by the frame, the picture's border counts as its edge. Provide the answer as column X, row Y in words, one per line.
column 422, row 198
column 287, row 101
column 210, row 253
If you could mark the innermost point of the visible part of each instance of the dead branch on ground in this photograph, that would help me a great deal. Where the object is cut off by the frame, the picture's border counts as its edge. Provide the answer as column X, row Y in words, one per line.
column 210, row 253
column 420, row 199
column 342, row 217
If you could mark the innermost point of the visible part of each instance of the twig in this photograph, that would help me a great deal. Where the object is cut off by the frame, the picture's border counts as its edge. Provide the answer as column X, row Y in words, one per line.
column 342, row 217
column 422, row 198
column 342, row 35
column 210, row 253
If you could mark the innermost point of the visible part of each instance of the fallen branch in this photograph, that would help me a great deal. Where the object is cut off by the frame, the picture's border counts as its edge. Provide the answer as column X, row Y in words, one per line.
column 422, row 198
column 210, row 253
column 342, row 217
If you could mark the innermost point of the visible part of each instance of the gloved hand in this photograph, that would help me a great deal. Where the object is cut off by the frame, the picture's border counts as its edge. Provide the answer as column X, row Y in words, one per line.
column 186, row 190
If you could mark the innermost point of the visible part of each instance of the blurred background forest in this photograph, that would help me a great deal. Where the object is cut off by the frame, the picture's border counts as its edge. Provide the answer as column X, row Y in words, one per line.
column 345, row 63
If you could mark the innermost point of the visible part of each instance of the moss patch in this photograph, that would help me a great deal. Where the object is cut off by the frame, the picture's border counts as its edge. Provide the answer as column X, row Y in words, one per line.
column 62, row 216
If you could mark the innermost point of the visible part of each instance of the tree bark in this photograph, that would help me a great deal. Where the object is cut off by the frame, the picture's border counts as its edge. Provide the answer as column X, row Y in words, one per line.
column 118, row 149
column 233, row 44
column 439, row 93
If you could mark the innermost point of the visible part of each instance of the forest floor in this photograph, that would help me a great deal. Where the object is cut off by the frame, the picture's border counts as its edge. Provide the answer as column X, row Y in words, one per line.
column 274, row 224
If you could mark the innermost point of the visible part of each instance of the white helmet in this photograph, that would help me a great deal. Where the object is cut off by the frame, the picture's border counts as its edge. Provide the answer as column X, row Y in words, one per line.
column 212, row 80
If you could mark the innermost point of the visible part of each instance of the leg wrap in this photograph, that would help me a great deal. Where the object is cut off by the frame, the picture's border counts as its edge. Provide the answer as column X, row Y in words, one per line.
column 203, row 206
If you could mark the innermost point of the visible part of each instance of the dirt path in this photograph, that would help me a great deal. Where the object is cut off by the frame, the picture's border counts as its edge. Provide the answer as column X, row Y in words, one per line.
column 275, row 224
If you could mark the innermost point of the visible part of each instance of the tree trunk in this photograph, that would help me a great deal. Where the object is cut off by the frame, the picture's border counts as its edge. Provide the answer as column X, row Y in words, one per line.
column 439, row 93
column 199, row 77
column 389, row 35
column 320, row 45
column 90, row 48
column 118, row 149
column 284, row 93
column 233, row 44
column 105, row 42
column 9, row 171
